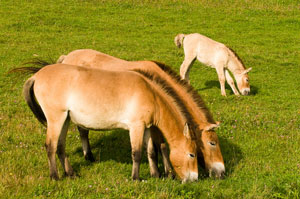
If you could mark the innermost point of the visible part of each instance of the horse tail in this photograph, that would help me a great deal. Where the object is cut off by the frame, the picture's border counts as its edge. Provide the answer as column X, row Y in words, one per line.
column 179, row 39
column 28, row 93
column 37, row 64
column 61, row 59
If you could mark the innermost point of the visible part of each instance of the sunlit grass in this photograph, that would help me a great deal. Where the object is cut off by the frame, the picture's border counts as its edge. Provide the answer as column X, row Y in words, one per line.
column 259, row 134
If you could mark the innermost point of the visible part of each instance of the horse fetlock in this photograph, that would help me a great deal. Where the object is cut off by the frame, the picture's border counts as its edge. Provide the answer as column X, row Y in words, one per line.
column 89, row 156
column 54, row 176
column 154, row 173
column 170, row 174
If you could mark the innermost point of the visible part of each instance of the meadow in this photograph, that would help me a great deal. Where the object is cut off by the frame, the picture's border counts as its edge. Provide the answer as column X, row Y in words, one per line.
column 259, row 134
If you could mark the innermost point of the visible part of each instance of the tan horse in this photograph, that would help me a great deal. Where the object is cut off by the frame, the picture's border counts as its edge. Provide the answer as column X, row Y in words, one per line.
column 99, row 100
column 216, row 55
column 208, row 147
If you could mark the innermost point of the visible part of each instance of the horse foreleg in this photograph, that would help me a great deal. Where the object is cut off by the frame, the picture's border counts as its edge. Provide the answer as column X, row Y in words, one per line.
column 151, row 154
column 136, row 139
column 61, row 152
column 186, row 67
column 231, row 82
column 221, row 76
column 160, row 144
column 87, row 152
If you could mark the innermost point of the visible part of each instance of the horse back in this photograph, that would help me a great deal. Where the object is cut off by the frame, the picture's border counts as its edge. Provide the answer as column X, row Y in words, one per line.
column 95, row 99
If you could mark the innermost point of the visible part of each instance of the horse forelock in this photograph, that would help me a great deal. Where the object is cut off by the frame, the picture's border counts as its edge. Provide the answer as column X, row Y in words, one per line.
column 191, row 92
column 168, row 90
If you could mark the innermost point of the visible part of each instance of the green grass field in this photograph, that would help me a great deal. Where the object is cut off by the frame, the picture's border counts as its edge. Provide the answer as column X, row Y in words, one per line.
column 259, row 134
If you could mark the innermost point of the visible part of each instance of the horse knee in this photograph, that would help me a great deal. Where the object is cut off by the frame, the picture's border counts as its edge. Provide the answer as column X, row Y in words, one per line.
column 136, row 156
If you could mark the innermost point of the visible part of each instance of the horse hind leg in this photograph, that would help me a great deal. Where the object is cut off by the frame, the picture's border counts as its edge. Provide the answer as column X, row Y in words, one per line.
column 84, row 137
column 55, row 143
column 61, row 152
column 231, row 82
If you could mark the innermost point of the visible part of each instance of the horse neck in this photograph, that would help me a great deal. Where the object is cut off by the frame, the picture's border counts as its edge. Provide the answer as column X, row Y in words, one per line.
column 235, row 65
column 190, row 98
column 169, row 119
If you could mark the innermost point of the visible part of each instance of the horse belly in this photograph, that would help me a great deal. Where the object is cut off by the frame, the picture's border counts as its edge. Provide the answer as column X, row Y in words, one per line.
column 120, row 114
column 96, row 121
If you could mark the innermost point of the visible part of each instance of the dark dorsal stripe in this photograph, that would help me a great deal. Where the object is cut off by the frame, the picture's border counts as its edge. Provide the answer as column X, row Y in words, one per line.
column 236, row 55
column 192, row 93
column 164, row 85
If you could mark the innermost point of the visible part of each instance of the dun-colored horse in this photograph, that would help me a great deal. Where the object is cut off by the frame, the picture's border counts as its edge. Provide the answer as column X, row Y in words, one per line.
column 216, row 55
column 208, row 147
column 99, row 100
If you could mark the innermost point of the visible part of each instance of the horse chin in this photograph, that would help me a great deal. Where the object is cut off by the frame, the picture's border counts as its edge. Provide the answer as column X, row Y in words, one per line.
column 217, row 170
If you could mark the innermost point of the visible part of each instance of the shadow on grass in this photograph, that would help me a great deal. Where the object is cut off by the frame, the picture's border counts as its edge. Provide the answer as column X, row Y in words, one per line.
column 113, row 146
column 215, row 84
column 116, row 146
column 232, row 155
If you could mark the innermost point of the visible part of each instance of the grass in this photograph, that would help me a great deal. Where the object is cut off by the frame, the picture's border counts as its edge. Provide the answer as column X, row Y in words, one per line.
column 259, row 133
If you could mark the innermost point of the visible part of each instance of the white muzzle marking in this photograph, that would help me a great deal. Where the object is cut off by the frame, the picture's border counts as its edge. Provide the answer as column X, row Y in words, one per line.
column 246, row 91
column 190, row 177
column 218, row 170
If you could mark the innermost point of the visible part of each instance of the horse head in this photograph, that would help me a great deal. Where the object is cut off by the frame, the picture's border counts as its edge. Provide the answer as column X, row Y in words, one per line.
column 242, row 80
column 209, row 151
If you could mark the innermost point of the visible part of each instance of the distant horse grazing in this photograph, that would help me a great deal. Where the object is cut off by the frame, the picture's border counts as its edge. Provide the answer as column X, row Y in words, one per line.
column 208, row 147
column 99, row 99
column 216, row 55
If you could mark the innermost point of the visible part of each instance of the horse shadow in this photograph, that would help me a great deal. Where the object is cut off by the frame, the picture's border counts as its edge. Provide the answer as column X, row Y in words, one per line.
column 216, row 84
column 116, row 146
column 113, row 146
column 232, row 155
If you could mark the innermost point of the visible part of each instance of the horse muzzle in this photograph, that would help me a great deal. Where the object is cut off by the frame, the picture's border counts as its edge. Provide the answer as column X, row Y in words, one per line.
column 246, row 91
column 217, row 170
column 190, row 177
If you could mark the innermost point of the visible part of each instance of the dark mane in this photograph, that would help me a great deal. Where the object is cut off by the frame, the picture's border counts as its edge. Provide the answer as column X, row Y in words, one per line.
column 189, row 89
column 164, row 85
column 236, row 55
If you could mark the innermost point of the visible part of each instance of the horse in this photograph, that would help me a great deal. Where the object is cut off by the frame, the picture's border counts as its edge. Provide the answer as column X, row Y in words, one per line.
column 216, row 55
column 208, row 147
column 100, row 100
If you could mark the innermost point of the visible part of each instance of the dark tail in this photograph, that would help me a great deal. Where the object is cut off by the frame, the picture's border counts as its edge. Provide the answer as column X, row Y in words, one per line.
column 36, row 65
column 28, row 93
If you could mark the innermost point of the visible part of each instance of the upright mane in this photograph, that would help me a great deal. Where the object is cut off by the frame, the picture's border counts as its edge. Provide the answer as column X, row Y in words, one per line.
column 193, row 94
column 164, row 85
column 237, row 56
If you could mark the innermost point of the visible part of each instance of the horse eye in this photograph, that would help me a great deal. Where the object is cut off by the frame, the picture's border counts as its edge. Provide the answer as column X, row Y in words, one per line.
column 212, row 143
column 247, row 80
column 192, row 155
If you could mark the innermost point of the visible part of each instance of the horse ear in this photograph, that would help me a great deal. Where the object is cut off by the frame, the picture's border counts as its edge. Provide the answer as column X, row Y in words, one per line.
column 186, row 131
column 211, row 127
column 247, row 71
